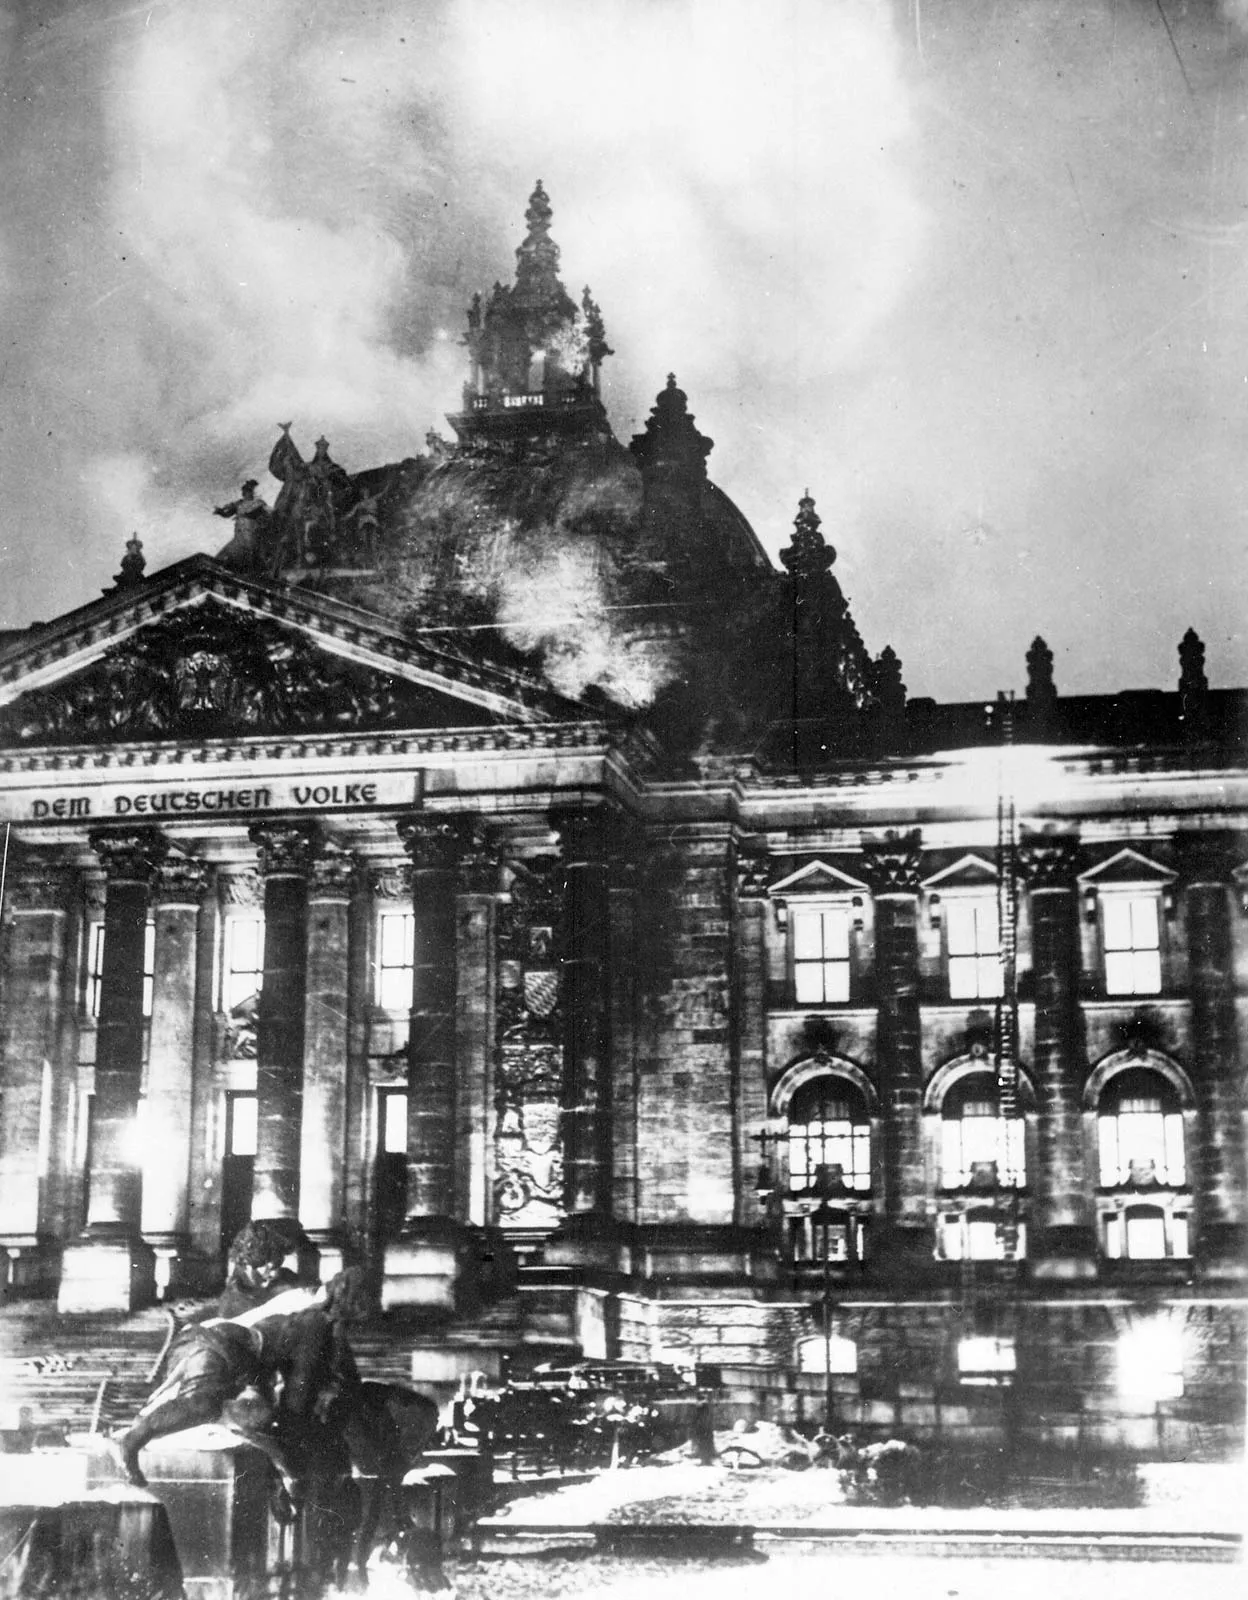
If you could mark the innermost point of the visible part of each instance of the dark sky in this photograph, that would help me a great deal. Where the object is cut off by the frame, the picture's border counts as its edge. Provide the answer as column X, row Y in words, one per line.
column 972, row 272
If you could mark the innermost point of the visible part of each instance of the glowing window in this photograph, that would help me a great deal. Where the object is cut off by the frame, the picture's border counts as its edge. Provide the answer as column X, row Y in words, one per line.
column 820, row 955
column 242, row 1125
column 973, row 948
column 393, row 1123
column 95, row 967
column 986, row 1360
column 838, row 1237
column 243, row 965
column 1140, row 1132
column 835, row 1355
column 1146, row 1233
column 829, row 1128
column 396, row 937
column 981, row 1236
column 1150, row 1362
column 978, row 1147
column 1132, row 937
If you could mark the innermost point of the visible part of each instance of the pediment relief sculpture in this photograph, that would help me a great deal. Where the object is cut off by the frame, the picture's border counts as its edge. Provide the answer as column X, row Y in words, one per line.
column 213, row 673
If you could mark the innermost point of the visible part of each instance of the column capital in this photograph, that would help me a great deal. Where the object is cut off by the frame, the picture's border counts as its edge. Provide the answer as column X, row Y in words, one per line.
column 284, row 848
column 130, row 855
column 333, row 872
column 433, row 842
column 581, row 831
column 892, row 865
column 1207, row 858
column 1050, row 860
column 38, row 886
column 181, row 881
column 752, row 874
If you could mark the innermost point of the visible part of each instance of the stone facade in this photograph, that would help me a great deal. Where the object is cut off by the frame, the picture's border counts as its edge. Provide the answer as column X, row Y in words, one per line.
column 663, row 1015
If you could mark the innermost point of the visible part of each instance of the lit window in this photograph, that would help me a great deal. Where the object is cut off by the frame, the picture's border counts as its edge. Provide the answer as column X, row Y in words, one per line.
column 241, row 1133
column 820, row 956
column 981, row 1236
column 979, row 1149
column 829, row 1128
column 396, row 936
column 1132, row 935
column 986, row 1360
column 1140, row 1132
column 394, row 1123
column 1150, row 1362
column 834, row 1236
column 243, row 965
column 95, row 966
column 973, row 947
column 1146, row 1233
column 835, row 1355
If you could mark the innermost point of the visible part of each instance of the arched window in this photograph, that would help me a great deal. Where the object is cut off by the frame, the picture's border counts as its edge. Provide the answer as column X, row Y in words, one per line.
column 1140, row 1131
column 979, row 1149
column 829, row 1129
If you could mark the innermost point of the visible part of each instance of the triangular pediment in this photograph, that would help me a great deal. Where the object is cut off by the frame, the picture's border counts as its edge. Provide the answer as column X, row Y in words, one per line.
column 199, row 653
column 1127, row 867
column 969, row 872
column 817, row 877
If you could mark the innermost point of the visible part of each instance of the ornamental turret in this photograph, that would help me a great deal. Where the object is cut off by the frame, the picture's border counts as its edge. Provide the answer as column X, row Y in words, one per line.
column 534, row 354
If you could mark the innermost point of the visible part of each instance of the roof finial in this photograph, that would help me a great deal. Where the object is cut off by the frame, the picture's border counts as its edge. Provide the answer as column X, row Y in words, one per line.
column 132, row 565
column 809, row 555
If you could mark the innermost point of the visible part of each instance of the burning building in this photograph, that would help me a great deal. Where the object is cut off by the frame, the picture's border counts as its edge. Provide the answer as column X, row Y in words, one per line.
column 492, row 861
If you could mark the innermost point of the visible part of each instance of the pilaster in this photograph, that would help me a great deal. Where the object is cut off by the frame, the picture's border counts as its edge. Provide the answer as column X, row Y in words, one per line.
column 112, row 1268
column 1064, row 1239
column 285, row 856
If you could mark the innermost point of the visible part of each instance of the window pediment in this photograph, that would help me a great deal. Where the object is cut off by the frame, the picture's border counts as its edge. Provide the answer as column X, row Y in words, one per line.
column 817, row 878
column 971, row 872
column 1127, row 869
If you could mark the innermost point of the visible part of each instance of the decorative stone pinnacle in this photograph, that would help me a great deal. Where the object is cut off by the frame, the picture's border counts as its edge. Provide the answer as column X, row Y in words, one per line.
column 1041, row 690
column 809, row 555
column 1193, row 684
column 539, row 212
column 133, row 564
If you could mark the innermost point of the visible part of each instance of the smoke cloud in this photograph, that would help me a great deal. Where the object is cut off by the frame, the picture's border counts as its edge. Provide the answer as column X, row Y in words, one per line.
column 968, row 273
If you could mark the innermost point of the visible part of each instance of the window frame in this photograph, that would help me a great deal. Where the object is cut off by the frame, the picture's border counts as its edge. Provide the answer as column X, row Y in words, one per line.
column 93, row 967
column 381, row 970
column 959, row 899
column 823, row 906
column 1129, row 895
column 228, row 971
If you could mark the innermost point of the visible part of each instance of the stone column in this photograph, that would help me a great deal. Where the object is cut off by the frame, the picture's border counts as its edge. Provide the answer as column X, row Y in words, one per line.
column 112, row 1269
column 36, row 932
column 426, row 1265
column 179, row 889
column 892, row 866
column 749, row 1007
column 323, row 1134
column 1217, row 1163
column 474, row 1016
column 586, row 1010
column 285, row 853
column 1064, row 1237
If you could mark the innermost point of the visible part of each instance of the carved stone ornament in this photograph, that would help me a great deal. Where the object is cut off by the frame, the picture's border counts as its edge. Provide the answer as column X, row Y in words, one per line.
column 285, row 849
column 36, row 887
column 580, row 831
column 480, row 863
column 241, row 889
column 893, row 864
column 333, row 872
column 1049, row 861
column 433, row 843
column 210, row 672
column 130, row 855
column 752, row 875
column 528, row 1141
column 391, row 882
column 181, row 881
column 1205, row 857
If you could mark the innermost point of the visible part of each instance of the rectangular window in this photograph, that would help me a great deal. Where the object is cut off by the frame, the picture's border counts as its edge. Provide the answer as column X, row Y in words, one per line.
column 986, row 1360
column 820, row 956
column 393, row 1123
column 241, row 1125
column 979, row 1148
column 973, row 946
column 1141, row 1144
column 243, row 964
column 1132, row 934
column 95, row 966
column 837, row 1143
column 396, row 955
column 980, row 1238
